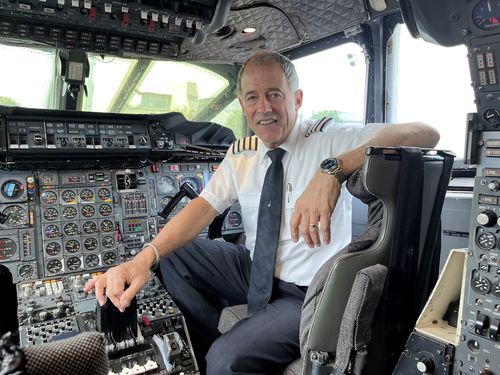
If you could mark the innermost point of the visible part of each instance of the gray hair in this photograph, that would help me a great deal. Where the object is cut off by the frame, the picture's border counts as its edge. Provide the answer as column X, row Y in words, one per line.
column 264, row 57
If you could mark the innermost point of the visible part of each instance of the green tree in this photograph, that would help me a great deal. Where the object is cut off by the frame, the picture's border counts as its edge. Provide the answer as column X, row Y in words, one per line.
column 7, row 100
column 334, row 114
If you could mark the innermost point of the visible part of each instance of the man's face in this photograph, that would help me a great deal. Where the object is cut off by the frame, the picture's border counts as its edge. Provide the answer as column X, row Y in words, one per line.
column 269, row 105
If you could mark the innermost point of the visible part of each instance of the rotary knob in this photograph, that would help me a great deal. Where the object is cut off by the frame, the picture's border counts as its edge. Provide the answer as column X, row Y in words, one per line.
column 486, row 218
column 143, row 141
column 425, row 365
column 494, row 185
column 37, row 139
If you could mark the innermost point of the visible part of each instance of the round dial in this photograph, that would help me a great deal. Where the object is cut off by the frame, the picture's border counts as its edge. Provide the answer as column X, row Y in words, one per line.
column 233, row 219
column 12, row 189
column 90, row 244
column 89, row 227
column 53, row 248
column 166, row 185
column 49, row 197
column 485, row 240
column 50, row 214
column 26, row 271
column 194, row 182
column 16, row 216
column 104, row 194
column 73, row 263
column 72, row 246
column 69, row 196
column 108, row 242
column 109, row 258
column 495, row 289
column 69, row 212
column 8, row 248
column 54, row 266
column 91, row 261
column 486, row 14
column 52, row 231
column 87, row 195
column 164, row 201
column 491, row 116
column 107, row 226
column 480, row 284
column 88, row 210
column 105, row 210
column 71, row 229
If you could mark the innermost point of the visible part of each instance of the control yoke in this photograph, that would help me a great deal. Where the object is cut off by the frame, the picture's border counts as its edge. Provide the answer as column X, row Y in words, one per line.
column 184, row 191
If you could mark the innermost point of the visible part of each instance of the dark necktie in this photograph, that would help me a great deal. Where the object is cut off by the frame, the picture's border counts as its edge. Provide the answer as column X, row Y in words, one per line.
column 268, row 233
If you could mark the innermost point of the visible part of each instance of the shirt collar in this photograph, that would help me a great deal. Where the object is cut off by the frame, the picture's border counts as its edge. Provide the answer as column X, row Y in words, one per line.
column 288, row 145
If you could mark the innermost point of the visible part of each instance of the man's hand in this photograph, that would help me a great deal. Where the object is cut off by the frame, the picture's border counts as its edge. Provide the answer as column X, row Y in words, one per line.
column 135, row 273
column 313, row 210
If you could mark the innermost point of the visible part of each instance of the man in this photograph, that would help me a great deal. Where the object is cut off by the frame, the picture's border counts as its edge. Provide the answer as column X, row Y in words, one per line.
column 204, row 275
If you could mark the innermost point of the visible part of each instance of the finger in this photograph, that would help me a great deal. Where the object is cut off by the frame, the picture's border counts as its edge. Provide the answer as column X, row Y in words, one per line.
column 115, row 290
column 304, row 230
column 324, row 224
column 294, row 226
column 314, row 233
column 100, row 285
column 130, row 292
column 90, row 285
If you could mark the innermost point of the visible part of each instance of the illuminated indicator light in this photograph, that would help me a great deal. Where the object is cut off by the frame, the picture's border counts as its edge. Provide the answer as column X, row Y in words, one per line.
column 248, row 30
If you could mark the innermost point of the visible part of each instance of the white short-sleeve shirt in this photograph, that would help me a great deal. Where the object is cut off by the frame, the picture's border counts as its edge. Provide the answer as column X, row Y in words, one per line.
column 241, row 176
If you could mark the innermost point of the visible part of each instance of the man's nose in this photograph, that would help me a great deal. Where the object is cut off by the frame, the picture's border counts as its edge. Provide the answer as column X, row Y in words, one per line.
column 264, row 105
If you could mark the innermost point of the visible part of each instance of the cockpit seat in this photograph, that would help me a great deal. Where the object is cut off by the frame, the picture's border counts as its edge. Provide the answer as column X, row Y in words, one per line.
column 404, row 189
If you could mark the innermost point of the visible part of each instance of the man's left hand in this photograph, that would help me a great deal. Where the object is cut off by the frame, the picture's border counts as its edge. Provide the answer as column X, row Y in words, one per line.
column 313, row 210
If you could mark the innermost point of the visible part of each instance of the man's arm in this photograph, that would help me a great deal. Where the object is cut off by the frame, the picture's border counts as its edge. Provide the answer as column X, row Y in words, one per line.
column 320, row 197
column 181, row 229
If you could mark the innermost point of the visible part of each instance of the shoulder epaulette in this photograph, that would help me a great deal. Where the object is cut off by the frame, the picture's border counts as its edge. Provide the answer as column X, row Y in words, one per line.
column 245, row 144
column 317, row 126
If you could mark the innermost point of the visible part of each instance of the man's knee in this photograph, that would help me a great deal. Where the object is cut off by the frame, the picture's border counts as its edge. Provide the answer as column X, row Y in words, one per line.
column 222, row 358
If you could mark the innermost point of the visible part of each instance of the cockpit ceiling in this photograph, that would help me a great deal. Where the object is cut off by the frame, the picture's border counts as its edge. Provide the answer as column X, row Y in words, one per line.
column 280, row 25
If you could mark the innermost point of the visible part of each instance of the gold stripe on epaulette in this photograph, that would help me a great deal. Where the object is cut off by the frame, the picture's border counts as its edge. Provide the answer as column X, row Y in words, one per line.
column 317, row 126
column 245, row 144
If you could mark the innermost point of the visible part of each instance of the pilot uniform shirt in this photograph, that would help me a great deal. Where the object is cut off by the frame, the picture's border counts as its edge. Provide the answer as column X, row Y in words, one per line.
column 240, row 177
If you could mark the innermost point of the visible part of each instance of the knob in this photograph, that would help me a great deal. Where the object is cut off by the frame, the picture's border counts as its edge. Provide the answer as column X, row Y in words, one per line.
column 160, row 144
column 487, row 218
column 494, row 185
column 37, row 139
column 485, row 371
column 143, row 140
column 425, row 365
column 63, row 143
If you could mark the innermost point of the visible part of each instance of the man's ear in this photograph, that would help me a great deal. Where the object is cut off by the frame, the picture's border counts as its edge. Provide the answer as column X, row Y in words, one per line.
column 299, row 94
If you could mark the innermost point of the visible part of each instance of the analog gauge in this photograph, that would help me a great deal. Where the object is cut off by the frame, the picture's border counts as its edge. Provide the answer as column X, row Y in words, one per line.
column 90, row 244
column 52, row 231
column 54, row 266
column 164, row 201
column 109, row 258
column 485, row 240
column 8, row 248
column 486, row 14
column 71, row 229
column 194, row 182
column 233, row 219
column 26, row 271
column 48, row 179
column 89, row 227
column 12, row 189
column 16, row 216
column 73, row 263
column 495, row 289
column 88, row 210
column 91, row 261
column 69, row 213
column 104, row 194
column 69, row 196
column 480, row 284
column 107, row 226
column 491, row 116
column 105, row 210
column 72, row 246
column 50, row 214
column 108, row 242
column 86, row 195
column 166, row 185
column 49, row 197
column 53, row 248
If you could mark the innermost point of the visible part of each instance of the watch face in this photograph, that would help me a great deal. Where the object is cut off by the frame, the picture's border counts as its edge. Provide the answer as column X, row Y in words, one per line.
column 328, row 163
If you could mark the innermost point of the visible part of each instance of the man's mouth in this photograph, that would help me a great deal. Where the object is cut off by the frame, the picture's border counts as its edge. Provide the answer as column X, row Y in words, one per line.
column 266, row 122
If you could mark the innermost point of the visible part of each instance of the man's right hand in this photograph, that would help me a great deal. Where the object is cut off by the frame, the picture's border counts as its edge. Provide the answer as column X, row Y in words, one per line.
column 111, row 284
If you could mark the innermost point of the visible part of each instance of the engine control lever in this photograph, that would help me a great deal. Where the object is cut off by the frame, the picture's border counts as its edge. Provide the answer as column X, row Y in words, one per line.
column 120, row 326
column 3, row 218
column 185, row 191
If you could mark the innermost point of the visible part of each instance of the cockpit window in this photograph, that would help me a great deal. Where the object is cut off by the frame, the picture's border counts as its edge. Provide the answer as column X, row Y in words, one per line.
column 27, row 77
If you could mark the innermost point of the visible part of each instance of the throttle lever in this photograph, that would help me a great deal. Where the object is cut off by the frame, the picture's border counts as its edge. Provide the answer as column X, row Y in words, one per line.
column 184, row 191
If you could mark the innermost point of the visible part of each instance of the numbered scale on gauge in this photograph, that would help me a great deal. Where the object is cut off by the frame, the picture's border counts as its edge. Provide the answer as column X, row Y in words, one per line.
column 485, row 240
column 69, row 212
column 480, row 284
column 16, row 216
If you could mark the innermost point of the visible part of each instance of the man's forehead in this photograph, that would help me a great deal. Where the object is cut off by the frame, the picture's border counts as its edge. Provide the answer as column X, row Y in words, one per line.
column 269, row 75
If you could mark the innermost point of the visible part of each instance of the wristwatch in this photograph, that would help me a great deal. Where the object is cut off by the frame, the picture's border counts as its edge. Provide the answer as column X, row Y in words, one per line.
column 332, row 166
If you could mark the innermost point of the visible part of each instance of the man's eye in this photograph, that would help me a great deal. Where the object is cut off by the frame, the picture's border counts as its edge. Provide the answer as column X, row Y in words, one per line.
column 251, row 99
column 275, row 95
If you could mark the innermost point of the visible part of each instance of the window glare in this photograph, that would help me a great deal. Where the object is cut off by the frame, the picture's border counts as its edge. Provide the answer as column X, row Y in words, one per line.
column 333, row 82
column 432, row 85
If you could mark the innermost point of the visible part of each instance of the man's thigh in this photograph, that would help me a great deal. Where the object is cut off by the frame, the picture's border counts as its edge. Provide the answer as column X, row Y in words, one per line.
column 265, row 342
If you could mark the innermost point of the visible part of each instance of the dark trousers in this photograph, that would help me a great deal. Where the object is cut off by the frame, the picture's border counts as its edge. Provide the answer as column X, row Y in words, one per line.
column 204, row 277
